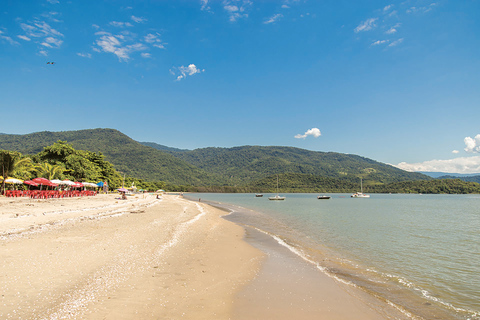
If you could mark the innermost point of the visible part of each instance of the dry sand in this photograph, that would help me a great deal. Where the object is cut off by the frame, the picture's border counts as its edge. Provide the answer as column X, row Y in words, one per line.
column 145, row 258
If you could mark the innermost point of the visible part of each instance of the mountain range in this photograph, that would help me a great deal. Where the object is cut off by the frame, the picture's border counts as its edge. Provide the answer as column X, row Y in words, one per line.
column 211, row 166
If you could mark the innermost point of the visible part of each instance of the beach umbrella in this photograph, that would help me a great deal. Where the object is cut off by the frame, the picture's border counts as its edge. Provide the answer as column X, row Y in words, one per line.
column 100, row 184
column 13, row 181
column 30, row 182
column 56, row 181
column 42, row 181
column 122, row 190
column 68, row 182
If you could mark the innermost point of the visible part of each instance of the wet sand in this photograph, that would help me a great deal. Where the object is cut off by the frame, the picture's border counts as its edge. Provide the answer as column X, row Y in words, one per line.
column 144, row 258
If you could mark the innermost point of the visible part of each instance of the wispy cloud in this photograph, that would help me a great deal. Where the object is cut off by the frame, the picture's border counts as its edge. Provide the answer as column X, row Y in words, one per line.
column 273, row 18
column 53, row 1
column 117, row 45
column 138, row 19
column 154, row 40
column 379, row 42
column 125, row 43
column 8, row 39
column 204, row 5
column 182, row 72
column 315, row 132
column 42, row 33
column 393, row 29
column 84, row 55
column 366, row 25
column 387, row 8
column 237, row 9
column 121, row 24
column 24, row 37
column 422, row 9
column 396, row 42
column 472, row 145
column 457, row 165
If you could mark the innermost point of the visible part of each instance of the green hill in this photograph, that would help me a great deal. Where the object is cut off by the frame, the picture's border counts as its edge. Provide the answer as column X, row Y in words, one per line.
column 127, row 155
column 238, row 166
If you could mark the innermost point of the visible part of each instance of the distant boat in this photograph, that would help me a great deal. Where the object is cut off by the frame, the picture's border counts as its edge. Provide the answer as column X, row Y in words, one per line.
column 360, row 194
column 258, row 195
column 277, row 197
column 323, row 197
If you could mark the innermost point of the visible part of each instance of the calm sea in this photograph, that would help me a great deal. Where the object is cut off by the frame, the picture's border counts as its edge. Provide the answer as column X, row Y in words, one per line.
column 418, row 252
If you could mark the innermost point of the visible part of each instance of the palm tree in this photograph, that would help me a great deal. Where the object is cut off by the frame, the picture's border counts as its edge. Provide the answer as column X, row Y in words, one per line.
column 49, row 171
column 14, row 165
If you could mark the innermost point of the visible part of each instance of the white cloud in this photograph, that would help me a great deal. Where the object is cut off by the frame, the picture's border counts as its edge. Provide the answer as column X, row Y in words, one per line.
column 386, row 8
column 186, row 71
column 7, row 38
column 455, row 151
column 121, row 24
column 84, row 55
column 366, row 25
column 457, row 165
column 115, row 44
column 393, row 29
column 273, row 18
column 138, row 19
column 472, row 145
column 424, row 9
column 396, row 42
column 24, row 38
column 236, row 9
column 51, row 42
column 205, row 5
column 53, row 1
column 154, row 40
column 378, row 42
column 315, row 132
column 43, row 34
column 146, row 55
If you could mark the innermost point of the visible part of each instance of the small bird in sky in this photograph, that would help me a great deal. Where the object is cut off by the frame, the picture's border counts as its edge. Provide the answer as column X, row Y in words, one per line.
column 51, row 62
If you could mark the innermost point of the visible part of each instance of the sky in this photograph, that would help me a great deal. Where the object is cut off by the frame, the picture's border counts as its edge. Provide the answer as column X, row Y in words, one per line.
column 394, row 81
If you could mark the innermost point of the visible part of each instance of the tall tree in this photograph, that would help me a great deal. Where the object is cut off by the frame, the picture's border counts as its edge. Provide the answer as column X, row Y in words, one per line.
column 49, row 171
column 13, row 164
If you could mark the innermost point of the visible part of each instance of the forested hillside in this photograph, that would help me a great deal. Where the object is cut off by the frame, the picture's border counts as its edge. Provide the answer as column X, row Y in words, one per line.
column 127, row 155
column 239, row 167
column 250, row 163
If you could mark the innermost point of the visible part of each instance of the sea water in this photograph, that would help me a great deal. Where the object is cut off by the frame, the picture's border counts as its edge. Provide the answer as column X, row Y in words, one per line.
column 420, row 253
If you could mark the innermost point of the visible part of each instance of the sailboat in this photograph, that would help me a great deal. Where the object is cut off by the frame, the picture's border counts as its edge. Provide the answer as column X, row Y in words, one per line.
column 277, row 197
column 360, row 194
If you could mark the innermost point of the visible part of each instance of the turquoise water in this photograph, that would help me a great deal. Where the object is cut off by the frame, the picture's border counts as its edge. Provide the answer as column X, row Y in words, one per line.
column 419, row 252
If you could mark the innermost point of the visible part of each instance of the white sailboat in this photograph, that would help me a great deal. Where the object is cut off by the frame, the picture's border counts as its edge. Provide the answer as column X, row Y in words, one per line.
column 277, row 197
column 360, row 194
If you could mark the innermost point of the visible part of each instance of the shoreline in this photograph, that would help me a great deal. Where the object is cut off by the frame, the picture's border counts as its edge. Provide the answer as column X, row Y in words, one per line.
column 101, row 257
column 291, row 286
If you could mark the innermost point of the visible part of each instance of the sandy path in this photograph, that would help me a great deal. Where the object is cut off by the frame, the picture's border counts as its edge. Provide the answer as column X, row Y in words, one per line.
column 107, row 259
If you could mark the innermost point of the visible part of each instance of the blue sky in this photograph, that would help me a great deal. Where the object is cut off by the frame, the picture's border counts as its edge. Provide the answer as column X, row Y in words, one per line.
column 394, row 81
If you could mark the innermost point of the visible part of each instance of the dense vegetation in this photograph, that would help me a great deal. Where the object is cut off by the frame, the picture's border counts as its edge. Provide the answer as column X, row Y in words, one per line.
column 62, row 161
column 112, row 155
column 467, row 178
column 442, row 186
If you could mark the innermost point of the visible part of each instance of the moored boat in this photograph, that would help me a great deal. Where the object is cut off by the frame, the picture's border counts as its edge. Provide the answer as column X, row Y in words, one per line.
column 323, row 197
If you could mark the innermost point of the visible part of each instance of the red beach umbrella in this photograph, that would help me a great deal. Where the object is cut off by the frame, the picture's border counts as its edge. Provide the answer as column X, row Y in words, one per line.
column 42, row 181
column 31, row 183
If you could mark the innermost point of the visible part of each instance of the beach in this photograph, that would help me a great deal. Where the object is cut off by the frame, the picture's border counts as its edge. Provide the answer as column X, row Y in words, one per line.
column 147, row 258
